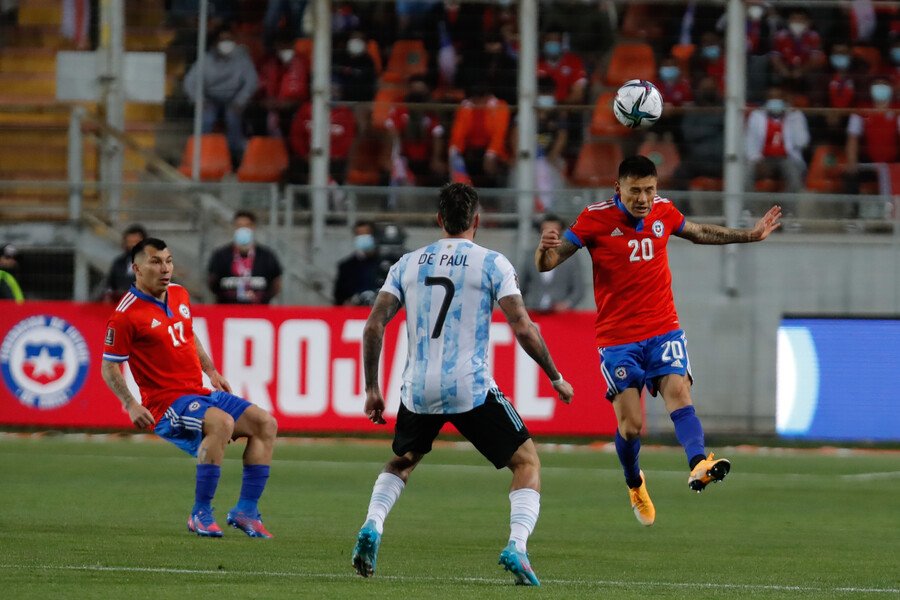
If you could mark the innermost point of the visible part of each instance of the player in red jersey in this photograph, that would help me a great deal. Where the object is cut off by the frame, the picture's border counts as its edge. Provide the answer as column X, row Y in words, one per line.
column 151, row 328
column 637, row 331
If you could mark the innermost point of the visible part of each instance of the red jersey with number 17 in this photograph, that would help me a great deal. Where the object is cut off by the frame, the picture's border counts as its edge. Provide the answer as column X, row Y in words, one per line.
column 632, row 281
column 157, row 340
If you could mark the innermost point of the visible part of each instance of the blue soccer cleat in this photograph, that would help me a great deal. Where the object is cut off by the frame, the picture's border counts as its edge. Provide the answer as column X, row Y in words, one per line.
column 366, row 550
column 252, row 525
column 518, row 564
column 203, row 524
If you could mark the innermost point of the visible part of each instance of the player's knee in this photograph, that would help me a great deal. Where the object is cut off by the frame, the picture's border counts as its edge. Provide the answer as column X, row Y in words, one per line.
column 269, row 427
column 631, row 430
column 218, row 423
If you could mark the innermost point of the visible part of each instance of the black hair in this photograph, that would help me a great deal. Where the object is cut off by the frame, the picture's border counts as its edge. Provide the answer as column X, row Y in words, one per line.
column 457, row 206
column 637, row 166
column 152, row 242
column 551, row 218
column 246, row 214
column 365, row 223
column 135, row 228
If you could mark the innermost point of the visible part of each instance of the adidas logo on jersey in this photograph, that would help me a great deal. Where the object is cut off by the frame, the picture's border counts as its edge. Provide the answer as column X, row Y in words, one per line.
column 677, row 363
column 616, row 232
column 154, row 323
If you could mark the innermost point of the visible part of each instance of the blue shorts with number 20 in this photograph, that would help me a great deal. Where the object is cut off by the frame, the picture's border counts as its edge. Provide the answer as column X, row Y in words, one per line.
column 642, row 363
column 183, row 422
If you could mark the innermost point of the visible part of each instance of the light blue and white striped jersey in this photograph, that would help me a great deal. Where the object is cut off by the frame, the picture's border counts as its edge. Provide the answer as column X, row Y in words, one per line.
column 449, row 289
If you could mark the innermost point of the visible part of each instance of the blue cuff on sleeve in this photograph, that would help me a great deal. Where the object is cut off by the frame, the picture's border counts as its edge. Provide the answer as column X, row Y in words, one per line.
column 573, row 238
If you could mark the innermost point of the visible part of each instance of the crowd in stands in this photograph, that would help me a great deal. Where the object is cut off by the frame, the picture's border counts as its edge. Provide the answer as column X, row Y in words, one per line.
column 426, row 92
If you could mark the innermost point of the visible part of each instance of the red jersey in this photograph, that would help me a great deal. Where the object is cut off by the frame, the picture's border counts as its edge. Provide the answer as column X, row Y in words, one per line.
column 343, row 131
column 157, row 340
column 568, row 71
column 802, row 51
column 632, row 281
column 419, row 147
column 774, row 145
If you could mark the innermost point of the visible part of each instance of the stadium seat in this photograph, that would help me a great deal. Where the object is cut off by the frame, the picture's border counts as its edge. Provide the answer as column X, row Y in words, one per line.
column 826, row 169
column 597, row 165
column 870, row 54
column 215, row 159
column 706, row 184
column 683, row 53
column 630, row 61
column 375, row 52
column 386, row 97
column 665, row 156
column 265, row 159
column 364, row 162
column 603, row 121
column 769, row 185
column 408, row 57
column 642, row 22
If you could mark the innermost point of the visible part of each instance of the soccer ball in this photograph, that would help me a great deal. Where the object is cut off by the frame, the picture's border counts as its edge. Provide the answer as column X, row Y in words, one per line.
column 638, row 104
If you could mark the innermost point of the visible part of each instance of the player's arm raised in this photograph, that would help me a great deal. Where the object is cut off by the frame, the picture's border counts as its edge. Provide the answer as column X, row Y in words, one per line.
column 206, row 363
column 385, row 307
column 715, row 234
column 115, row 381
column 552, row 250
column 533, row 343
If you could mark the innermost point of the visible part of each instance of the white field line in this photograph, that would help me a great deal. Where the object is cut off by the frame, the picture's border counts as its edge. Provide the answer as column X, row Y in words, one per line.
column 875, row 475
column 443, row 580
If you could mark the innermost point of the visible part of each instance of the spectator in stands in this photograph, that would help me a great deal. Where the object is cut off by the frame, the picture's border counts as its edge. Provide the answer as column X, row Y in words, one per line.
column 565, row 67
column 229, row 81
column 342, row 129
column 411, row 16
column 837, row 88
column 354, row 69
column 416, row 139
column 590, row 26
column 120, row 277
column 552, row 291
column 357, row 277
column 797, row 57
column 9, row 268
column 761, row 23
column 776, row 138
column 478, row 139
column 676, row 91
column 291, row 10
column 703, row 139
column 709, row 59
column 284, row 85
column 873, row 137
column 891, row 67
column 244, row 272
column 552, row 136
column 492, row 64
column 453, row 30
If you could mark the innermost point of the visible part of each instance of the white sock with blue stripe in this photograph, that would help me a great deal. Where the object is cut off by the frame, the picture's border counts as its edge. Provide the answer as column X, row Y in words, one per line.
column 386, row 491
column 524, row 507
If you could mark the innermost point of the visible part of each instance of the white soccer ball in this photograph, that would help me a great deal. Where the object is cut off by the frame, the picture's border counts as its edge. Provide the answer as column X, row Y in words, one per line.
column 638, row 104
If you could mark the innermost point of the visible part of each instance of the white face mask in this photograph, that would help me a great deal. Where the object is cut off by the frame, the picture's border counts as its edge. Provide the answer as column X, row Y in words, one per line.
column 286, row 55
column 755, row 12
column 226, row 47
column 797, row 29
column 356, row 47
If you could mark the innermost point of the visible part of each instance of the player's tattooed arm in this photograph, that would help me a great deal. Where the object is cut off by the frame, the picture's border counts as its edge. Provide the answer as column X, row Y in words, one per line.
column 552, row 250
column 385, row 307
column 115, row 381
column 714, row 234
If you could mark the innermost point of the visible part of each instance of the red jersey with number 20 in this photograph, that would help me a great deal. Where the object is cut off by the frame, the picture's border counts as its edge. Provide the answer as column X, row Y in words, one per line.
column 632, row 281
column 157, row 340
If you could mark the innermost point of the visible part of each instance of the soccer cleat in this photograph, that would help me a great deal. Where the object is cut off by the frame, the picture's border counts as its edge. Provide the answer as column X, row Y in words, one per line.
column 366, row 550
column 708, row 470
column 203, row 524
column 641, row 503
column 518, row 564
column 251, row 525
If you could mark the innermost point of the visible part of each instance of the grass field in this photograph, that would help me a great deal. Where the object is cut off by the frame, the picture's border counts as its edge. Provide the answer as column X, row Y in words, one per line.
column 98, row 518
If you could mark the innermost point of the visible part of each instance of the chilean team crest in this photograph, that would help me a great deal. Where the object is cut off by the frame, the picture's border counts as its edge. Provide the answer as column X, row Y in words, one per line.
column 44, row 360
column 658, row 228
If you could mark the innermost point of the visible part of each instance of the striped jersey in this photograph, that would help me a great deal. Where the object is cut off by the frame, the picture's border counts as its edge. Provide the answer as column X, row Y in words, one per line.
column 157, row 340
column 449, row 289
column 632, row 280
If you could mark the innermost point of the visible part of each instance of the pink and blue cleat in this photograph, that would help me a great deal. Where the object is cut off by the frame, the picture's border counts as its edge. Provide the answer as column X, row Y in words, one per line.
column 518, row 564
column 252, row 525
column 204, row 524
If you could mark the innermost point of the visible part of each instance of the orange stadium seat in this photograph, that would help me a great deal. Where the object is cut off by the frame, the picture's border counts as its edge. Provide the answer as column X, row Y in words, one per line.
column 265, row 159
column 364, row 162
column 826, row 169
column 375, row 52
column 597, row 165
column 665, row 156
column 408, row 57
column 642, row 21
column 215, row 159
column 603, row 121
column 386, row 97
column 706, row 184
column 630, row 61
column 683, row 53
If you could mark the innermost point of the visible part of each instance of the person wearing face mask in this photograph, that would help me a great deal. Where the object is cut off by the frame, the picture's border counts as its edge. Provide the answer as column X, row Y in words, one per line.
column 416, row 138
column 709, row 59
column 284, row 85
column 229, row 82
column 797, row 57
column 494, row 65
column 872, row 137
column 244, row 271
column 355, row 69
column 564, row 67
column 703, row 144
column 776, row 137
column 357, row 282
column 342, row 134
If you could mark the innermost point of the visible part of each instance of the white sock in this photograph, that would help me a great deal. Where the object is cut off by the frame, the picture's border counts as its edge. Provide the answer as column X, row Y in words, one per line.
column 524, row 507
column 386, row 491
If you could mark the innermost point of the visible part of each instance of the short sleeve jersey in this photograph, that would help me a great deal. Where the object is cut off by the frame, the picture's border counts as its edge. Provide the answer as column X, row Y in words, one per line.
column 632, row 281
column 157, row 340
column 449, row 289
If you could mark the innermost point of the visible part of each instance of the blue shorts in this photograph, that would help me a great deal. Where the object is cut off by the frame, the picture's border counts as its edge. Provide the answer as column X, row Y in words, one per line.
column 183, row 422
column 642, row 363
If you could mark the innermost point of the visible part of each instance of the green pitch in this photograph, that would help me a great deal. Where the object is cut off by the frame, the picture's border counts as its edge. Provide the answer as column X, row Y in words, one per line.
column 107, row 519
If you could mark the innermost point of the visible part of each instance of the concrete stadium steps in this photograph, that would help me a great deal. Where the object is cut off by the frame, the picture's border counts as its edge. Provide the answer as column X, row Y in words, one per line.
column 28, row 60
column 40, row 12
